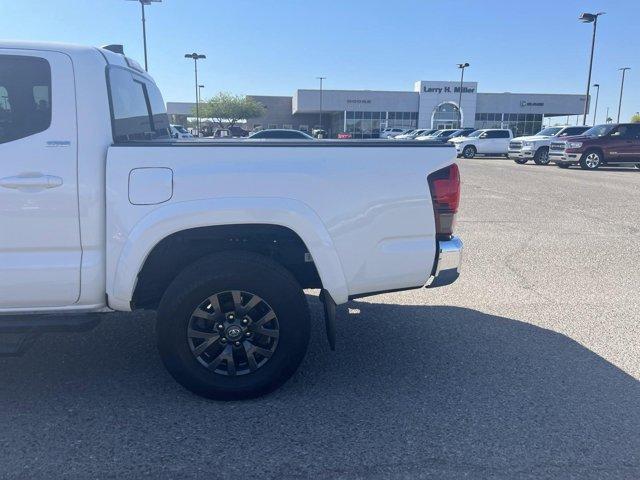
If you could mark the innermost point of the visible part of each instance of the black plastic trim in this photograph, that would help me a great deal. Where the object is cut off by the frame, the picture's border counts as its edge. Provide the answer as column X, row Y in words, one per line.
column 381, row 292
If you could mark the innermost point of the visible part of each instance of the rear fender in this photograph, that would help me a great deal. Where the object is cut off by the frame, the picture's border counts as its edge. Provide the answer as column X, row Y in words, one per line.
column 176, row 217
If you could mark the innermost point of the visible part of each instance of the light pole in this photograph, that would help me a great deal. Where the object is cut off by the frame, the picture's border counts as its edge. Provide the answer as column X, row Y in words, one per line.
column 195, row 57
column 623, row 70
column 595, row 110
column 200, row 87
column 606, row 118
column 461, row 66
column 144, row 27
column 321, row 79
column 589, row 18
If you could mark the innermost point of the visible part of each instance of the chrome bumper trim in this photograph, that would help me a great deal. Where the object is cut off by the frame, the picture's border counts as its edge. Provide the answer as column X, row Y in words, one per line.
column 448, row 263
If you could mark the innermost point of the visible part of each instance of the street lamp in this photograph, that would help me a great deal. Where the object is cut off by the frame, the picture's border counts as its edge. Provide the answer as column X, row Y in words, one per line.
column 195, row 57
column 461, row 66
column 144, row 27
column 589, row 18
column 321, row 79
column 595, row 110
column 623, row 70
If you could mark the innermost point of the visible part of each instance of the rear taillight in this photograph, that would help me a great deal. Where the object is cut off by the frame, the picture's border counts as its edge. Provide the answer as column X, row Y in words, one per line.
column 445, row 195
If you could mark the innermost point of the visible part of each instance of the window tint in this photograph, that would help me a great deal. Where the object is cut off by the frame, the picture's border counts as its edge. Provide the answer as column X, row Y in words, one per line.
column 137, row 108
column 25, row 96
column 567, row 132
column 626, row 131
column 633, row 131
column 497, row 134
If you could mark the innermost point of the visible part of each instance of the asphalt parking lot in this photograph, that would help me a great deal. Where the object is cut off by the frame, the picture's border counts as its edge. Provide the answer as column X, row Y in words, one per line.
column 527, row 367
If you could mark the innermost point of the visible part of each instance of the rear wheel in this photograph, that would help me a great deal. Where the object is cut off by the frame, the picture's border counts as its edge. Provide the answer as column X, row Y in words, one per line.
column 542, row 156
column 233, row 325
column 469, row 151
column 591, row 160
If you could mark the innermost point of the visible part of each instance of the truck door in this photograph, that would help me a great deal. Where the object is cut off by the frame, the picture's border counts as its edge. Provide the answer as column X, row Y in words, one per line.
column 626, row 145
column 40, row 250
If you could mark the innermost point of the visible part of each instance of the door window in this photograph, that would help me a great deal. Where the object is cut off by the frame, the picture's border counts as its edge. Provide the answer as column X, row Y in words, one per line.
column 137, row 108
column 25, row 97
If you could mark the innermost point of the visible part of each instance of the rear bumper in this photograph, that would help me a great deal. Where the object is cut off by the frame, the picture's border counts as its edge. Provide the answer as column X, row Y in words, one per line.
column 447, row 268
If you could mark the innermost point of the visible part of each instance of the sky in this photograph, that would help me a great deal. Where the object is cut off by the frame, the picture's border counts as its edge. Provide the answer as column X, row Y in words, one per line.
column 273, row 47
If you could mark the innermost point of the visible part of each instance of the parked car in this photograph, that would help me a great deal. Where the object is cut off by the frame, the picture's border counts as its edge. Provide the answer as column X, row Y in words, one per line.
column 220, row 239
column 488, row 141
column 536, row 147
column 441, row 136
column 178, row 131
column 319, row 133
column 279, row 134
column 412, row 134
column 392, row 132
column 611, row 143
column 463, row 132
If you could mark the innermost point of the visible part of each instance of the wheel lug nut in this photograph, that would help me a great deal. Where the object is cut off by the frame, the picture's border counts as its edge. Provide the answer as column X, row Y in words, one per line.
column 245, row 321
column 223, row 340
column 231, row 316
column 237, row 344
column 220, row 326
column 248, row 334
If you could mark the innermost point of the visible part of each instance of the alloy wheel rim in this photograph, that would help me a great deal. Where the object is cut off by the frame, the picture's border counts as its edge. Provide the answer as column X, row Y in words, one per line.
column 592, row 160
column 233, row 333
column 468, row 152
column 544, row 158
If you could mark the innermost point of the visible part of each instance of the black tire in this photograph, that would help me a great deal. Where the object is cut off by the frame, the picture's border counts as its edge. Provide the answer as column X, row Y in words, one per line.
column 469, row 151
column 563, row 164
column 520, row 161
column 217, row 275
column 638, row 166
column 542, row 156
column 591, row 160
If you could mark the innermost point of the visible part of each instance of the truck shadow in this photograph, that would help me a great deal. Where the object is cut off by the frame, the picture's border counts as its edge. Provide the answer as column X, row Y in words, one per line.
column 410, row 390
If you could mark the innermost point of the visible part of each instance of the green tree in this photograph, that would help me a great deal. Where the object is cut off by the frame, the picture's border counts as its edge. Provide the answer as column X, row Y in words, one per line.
column 226, row 109
column 636, row 118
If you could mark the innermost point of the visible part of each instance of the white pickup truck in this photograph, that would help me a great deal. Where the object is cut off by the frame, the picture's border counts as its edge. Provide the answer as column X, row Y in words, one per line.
column 102, row 211
column 536, row 147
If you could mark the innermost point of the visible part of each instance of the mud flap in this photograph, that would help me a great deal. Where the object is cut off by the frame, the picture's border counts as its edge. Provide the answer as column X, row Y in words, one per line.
column 329, row 317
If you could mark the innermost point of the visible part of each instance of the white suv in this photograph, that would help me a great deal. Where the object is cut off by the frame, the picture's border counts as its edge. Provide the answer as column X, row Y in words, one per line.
column 489, row 141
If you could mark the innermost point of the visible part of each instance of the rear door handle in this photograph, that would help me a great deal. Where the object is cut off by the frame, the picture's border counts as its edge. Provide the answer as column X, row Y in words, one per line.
column 31, row 182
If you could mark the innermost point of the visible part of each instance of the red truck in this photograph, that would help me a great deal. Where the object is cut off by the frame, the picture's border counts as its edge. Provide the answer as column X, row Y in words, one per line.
column 611, row 143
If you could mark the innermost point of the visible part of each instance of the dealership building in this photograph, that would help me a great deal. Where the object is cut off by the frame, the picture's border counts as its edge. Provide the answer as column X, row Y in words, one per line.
column 431, row 104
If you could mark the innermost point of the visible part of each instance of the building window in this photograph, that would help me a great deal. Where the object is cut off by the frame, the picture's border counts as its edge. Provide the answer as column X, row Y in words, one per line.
column 287, row 127
column 369, row 124
column 272, row 125
column 520, row 123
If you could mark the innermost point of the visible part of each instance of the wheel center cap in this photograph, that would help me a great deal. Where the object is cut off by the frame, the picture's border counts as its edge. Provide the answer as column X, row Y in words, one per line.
column 234, row 332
